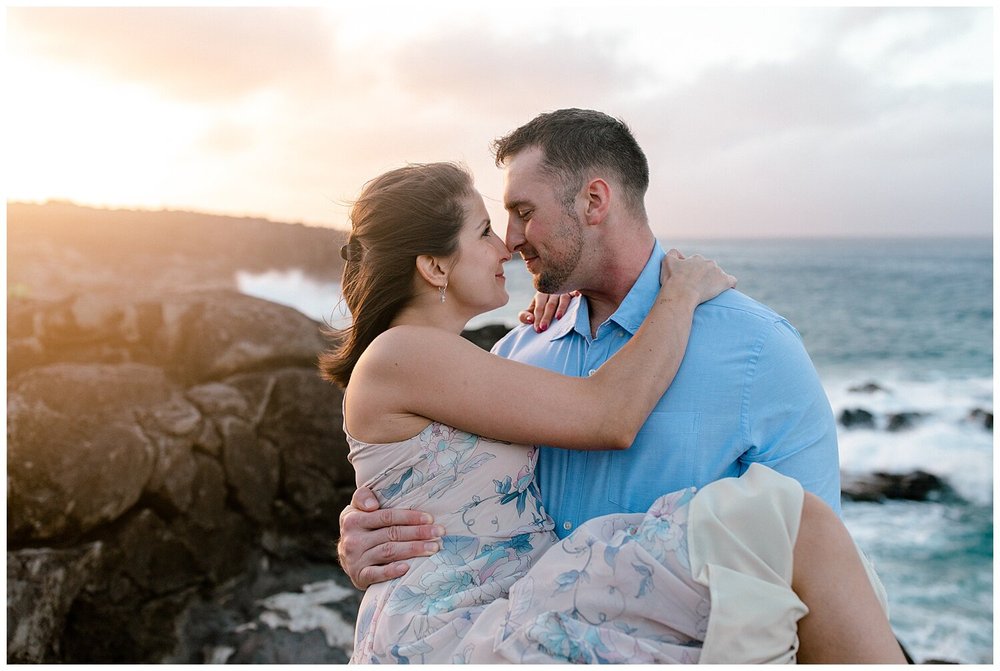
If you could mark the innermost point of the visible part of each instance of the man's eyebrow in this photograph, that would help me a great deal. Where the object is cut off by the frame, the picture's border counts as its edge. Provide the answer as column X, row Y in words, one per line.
column 513, row 204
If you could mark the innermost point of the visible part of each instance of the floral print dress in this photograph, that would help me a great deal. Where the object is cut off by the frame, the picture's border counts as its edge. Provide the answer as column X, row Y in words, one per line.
column 504, row 588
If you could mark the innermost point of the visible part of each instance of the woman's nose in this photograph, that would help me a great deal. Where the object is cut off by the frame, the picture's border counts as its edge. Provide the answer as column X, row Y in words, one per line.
column 506, row 254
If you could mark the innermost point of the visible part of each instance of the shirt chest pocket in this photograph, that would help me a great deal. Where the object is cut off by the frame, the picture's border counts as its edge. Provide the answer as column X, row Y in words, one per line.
column 661, row 460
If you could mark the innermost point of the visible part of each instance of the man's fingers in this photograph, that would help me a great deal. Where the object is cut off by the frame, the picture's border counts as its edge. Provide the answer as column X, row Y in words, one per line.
column 363, row 499
column 385, row 544
column 387, row 561
column 384, row 554
column 373, row 574
column 378, row 554
column 389, row 517
column 423, row 532
column 353, row 520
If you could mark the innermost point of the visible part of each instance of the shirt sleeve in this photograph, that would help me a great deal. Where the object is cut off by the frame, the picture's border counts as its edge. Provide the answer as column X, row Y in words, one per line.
column 788, row 422
column 505, row 346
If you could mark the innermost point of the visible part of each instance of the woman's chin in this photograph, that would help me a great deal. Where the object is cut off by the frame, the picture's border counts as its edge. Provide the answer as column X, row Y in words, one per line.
column 497, row 304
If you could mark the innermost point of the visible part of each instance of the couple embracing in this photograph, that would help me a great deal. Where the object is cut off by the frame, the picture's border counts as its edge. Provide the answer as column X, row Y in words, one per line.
column 685, row 505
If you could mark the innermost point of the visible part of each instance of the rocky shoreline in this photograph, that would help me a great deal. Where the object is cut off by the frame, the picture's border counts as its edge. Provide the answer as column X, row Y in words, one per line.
column 155, row 448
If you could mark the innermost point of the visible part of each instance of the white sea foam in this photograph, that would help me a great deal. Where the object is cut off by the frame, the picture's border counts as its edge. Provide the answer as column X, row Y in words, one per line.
column 306, row 611
column 944, row 440
column 314, row 298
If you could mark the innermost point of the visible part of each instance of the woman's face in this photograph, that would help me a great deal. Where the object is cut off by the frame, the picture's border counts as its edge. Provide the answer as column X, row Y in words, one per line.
column 477, row 278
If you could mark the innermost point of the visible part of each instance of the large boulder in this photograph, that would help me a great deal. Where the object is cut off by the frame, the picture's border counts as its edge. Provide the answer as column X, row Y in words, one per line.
column 857, row 418
column 879, row 486
column 983, row 417
column 76, row 456
column 299, row 421
column 211, row 335
column 900, row 421
column 197, row 336
column 485, row 336
column 867, row 388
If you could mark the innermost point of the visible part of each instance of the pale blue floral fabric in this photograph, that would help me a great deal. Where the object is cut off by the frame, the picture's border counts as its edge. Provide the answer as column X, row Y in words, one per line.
column 504, row 588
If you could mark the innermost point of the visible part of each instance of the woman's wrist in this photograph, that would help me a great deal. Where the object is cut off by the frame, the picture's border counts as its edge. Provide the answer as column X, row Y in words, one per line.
column 682, row 295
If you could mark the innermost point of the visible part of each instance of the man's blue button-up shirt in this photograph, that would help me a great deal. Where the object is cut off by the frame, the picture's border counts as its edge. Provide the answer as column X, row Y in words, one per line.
column 746, row 392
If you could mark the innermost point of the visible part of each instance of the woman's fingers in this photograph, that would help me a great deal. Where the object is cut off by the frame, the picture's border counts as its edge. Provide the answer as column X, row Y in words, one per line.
column 545, row 310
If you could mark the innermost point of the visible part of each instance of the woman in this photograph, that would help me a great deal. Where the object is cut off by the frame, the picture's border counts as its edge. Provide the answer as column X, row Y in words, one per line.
column 695, row 578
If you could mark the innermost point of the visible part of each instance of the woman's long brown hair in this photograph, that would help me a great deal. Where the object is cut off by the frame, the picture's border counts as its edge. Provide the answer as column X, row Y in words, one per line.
column 399, row 216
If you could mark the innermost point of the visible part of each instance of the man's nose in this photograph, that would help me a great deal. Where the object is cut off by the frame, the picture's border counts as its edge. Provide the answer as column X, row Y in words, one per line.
column 515, row 234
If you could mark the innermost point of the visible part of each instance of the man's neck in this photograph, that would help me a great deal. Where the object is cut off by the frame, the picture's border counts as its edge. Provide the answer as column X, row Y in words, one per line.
column 616, row 278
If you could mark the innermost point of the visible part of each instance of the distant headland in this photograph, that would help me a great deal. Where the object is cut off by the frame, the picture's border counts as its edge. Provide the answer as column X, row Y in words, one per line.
column 59, row 248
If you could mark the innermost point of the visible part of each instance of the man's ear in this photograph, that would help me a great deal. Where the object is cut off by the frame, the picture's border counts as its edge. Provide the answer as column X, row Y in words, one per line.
column 432, row 269
column 598, row 195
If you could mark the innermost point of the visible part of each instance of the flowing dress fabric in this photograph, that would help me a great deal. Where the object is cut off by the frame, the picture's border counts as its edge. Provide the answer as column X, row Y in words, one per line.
column 635, row 588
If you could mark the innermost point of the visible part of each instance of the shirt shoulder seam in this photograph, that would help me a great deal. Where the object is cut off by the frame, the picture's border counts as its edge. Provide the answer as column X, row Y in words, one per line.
column 771, row 318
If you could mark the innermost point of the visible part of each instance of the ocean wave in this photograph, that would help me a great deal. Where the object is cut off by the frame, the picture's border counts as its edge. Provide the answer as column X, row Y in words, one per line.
column 944, row 438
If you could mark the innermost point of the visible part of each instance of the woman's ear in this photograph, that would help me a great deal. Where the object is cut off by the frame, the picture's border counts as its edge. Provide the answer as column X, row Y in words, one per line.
column 598, row 195
column 432, row 270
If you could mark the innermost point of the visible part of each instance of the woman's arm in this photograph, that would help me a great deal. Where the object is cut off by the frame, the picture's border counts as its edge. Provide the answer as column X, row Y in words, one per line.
column 423, row 371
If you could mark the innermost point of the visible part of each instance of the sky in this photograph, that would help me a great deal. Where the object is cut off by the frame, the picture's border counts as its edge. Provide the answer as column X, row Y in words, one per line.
column 785, row 121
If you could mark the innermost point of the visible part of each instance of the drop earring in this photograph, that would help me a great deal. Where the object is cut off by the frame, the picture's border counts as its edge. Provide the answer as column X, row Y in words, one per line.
column 441, row 290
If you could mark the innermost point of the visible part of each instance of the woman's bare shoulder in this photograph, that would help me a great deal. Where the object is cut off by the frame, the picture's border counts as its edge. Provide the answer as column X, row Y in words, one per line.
column 410, row 336
column 409, row 344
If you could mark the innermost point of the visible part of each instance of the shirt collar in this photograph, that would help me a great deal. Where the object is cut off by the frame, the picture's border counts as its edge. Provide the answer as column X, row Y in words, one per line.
column 630, row 313
column 576, row 315
column 639, row 300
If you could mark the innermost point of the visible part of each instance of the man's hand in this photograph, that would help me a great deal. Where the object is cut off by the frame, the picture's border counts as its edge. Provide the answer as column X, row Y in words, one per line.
column 544, row 308
column 374, row 543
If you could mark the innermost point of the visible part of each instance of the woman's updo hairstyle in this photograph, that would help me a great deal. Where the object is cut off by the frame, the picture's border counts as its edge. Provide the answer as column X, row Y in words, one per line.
column 399, row 216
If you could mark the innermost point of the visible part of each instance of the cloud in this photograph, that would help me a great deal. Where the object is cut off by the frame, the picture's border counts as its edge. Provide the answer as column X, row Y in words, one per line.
column 819, row 145
column 486, row 72
column 203, row 54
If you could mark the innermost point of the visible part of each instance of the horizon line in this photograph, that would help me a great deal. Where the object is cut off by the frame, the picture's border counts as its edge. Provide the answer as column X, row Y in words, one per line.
column 269, row 219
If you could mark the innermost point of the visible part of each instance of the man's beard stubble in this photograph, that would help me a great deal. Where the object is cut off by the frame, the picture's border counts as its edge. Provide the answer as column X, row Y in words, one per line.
column 557, row 270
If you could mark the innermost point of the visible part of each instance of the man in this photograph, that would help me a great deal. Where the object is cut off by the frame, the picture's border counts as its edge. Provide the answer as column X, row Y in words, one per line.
column 574, row 188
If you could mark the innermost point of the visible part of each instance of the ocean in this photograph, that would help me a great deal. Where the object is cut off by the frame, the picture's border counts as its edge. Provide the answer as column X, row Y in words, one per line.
column 914, row 317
